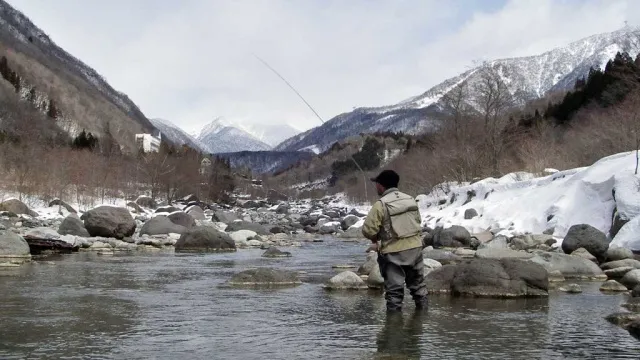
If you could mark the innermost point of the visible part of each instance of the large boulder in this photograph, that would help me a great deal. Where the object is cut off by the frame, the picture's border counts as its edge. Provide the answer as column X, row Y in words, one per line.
column 500, row 278
column 108, row 221
column 204, row 239
column 17, row 207
column 245, row 225
column 621, row 263
column 226, row 217
column 196, row 212
column 72, row 225
column 442, row 256
column 13, row 247
column 584, row 253
column 183, row 219
column 588, row 237
column 619, row 253
column 612, row 286
column 375, row 279
column 455, row 236
column 349, row 221
column 161, row 225
column 470, row 214
column 265, row 277
column 241, row 237
column 369, row 264
column 146, row 201
column 631, row 279
column 346, row 280
column 58, row 202
column 572, row 267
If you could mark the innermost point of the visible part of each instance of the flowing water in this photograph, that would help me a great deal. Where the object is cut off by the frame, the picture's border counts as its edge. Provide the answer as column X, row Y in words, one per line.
column 169, row 306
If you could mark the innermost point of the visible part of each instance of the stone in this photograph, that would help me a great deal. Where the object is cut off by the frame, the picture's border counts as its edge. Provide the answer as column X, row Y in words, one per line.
column 621, row 263
column 241, row 237
column 442, row 256
column 556, row 276
column 375, row 279
column 204, row 239
column 348, row 222
column 464, row 252
column 529, row 241
column 623, row 319
column 455, row 236
column 58, row 202
column 277, row 230
column 612, row 286
column 631, row 279
column 588, row 237
column 167, row 209
column 183, row 219
column 283, row 209
column 274, row 252
column 13, row 248
column 72, row 225
column 108, row 221
column 244, row 225
column 619, row 253
column 498, row 242
column 161, row 225
column 583, row 253
column 196, row 212
column 346, row 280
column 634, row 329
column 369, row 264
column 636, row 291
column 16, row 206
column 430, row 265
column 498, row 253
column 265, row 277
column 618, row 273
column 329, row 228
column 571, row 288
column 470, row 214
column 254, row 243
column 633, row 304
column 571, row 267
column 136, row 208
column 146, row 201
column 499, row 278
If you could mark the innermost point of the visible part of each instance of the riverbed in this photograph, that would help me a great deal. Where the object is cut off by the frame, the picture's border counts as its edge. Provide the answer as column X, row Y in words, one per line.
column 162, row 305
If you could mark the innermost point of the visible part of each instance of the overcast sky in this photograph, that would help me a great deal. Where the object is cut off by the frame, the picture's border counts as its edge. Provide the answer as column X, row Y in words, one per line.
column 191, row 61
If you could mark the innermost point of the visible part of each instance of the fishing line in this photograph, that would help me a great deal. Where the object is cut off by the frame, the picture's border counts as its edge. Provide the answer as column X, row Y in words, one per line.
column 364, row 176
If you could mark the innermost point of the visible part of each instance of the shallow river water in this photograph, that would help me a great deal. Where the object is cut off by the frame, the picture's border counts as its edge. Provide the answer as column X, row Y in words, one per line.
column 172, row 306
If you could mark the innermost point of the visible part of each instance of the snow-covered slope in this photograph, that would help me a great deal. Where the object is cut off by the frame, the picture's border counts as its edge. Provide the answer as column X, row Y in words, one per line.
column 526, row 78
column 176, row 135
column 221, row 137
column 523, row 203
column 271, row 134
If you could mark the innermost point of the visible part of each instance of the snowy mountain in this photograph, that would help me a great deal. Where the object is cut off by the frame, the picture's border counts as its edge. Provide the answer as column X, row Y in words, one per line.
column 526, row 78
column 271, row 134
column 176, row 135
column 264, row 162
column 220, row 136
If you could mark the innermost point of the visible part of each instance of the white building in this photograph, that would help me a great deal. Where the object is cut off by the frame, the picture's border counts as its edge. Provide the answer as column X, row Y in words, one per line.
column 148, row 142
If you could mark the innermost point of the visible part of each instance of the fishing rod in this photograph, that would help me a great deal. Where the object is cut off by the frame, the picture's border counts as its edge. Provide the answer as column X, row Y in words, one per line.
column 364, row 176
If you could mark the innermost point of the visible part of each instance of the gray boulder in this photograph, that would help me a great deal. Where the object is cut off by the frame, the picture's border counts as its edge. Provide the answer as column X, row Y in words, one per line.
column 329, row 228
column 146, row 201
column 571, row 288
column 72, row 225
column 17, row 207
column 529, row 241
column 58, row 202
column 572, row 267
column 369, row 264
column 631, row 279
column 346, row 280
column 108, row 221
column 13, row 247
column 349, row 221
column 583, row 253
column 621, row 263
column 636, row 291
column 245, row 225
column 619, row 253
column 265, row 277
column 204, row 239
column 503, row 278
column 375, row 279
column 226, row 217
column 274, row 252
column 612, row 286
column 470, row 214
column 442, row 256
column 497, row 253
column 161, row 225
column 588, row 237
column 196, row 212
column 455, row 236
column 618, row 273
column 183, row 219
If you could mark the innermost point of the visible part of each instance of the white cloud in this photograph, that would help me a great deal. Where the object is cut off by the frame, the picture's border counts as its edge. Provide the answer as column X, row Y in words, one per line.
column 191, row 61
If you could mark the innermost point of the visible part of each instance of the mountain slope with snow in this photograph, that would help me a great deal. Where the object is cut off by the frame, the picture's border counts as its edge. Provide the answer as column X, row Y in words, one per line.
column 221, row 137
column 526, row 78
column 176, row 135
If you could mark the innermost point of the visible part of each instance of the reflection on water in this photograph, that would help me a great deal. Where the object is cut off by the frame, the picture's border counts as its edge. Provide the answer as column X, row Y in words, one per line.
column 164, row 306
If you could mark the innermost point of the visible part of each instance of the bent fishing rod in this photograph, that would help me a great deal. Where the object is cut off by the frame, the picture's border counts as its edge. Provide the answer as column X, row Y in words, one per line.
column 364, row 176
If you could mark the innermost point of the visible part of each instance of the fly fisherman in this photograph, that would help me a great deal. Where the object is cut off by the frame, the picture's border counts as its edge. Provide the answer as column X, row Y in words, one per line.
column 393, row 225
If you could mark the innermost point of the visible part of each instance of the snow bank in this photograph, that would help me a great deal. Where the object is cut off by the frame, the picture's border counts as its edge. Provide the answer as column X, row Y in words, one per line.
column 522, row 203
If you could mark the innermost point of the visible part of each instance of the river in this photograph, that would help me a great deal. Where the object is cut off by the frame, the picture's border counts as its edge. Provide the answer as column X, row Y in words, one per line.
column 163, row 305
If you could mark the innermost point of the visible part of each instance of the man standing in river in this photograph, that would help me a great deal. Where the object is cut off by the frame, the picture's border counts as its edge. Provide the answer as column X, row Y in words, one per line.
column 393, row 225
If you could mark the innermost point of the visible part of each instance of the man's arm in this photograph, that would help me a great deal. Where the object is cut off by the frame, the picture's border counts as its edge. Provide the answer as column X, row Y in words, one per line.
column 373, row 222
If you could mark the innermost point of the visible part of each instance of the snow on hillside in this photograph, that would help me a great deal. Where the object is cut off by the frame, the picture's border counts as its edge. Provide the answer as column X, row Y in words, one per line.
column 220, row 136
column 176, row 135
column 523, row 203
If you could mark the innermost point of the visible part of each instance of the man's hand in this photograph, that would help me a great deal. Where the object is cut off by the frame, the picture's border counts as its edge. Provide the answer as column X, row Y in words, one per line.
column 373, row 247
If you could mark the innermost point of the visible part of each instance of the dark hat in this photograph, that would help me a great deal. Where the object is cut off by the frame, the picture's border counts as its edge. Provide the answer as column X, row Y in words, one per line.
column 387, row 178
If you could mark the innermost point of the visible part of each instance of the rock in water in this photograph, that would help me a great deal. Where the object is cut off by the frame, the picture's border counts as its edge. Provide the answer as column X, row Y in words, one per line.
column 588, row 237
column 72, row 225
column 556, row 276
column 636, row 291
column 17, row 207
column 13, row 248
column 504, row 278
column 265, row 277
column 634, row 329
column 571, row 267
column 204, row 239
column 529, row 241
column 618, row 273
column 346, row 280
column 183, row 219
column 619, row 253
column 161, row 225
column 108, row 221
column 612, row 286
column 274, row 252
column 631, row 279
column 430, row 265
column 369, row 264
column 621, row 263
column 375, row 279
column 571, row 288
column 583, row 253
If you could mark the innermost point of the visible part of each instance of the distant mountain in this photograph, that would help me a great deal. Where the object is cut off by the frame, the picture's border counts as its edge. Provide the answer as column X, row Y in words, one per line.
column 526, row 78
column 176, row 135
column 264, row 162
column 271, row 134
column 221, row 137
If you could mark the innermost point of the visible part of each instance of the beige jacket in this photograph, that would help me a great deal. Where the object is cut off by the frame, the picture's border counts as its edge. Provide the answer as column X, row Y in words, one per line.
column 394, row 221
